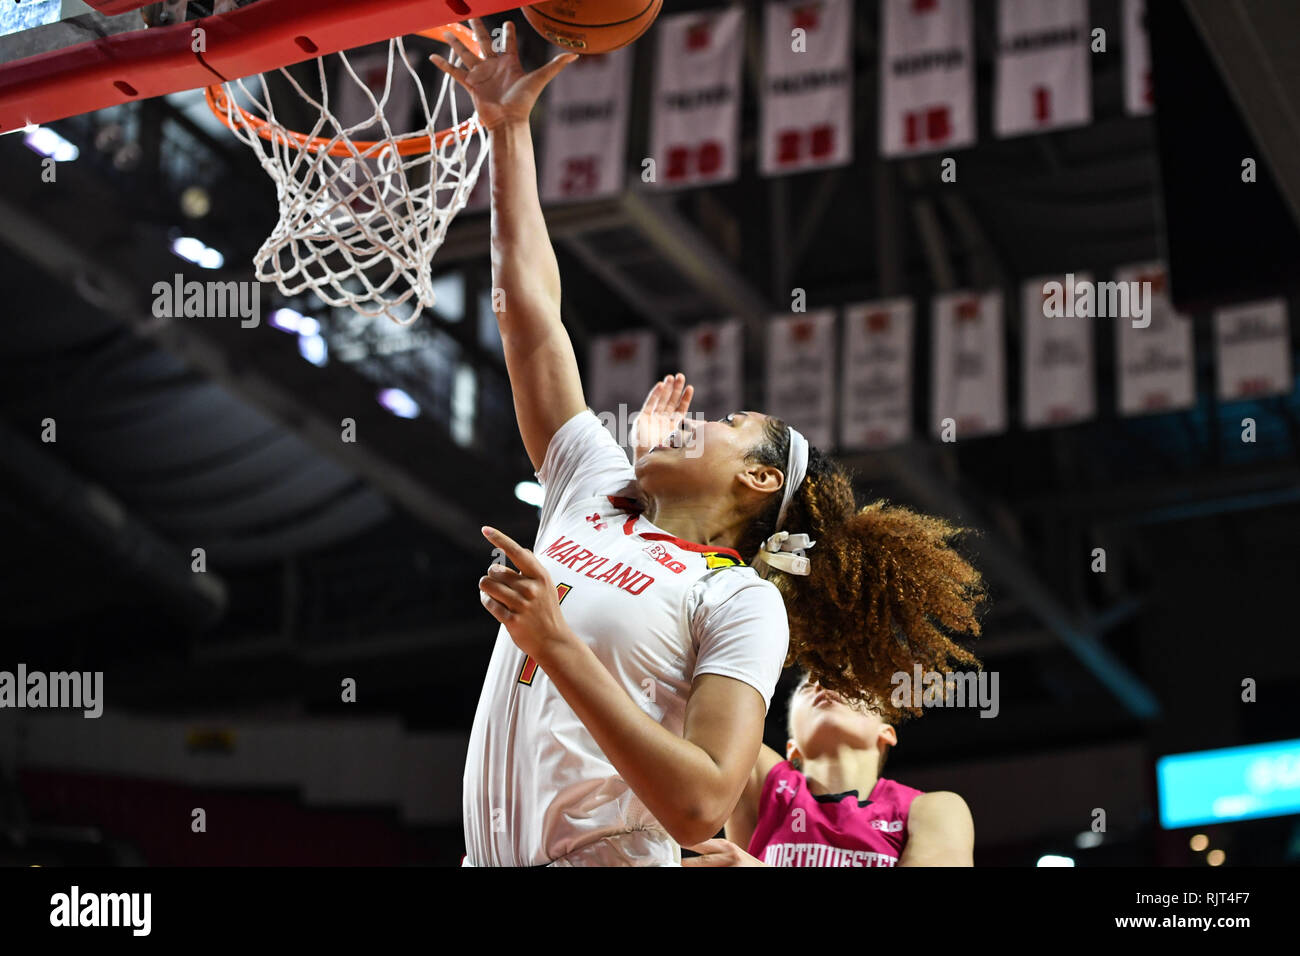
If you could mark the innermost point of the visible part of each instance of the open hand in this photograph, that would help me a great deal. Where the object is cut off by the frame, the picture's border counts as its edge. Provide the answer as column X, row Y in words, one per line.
column 502, row 91
column 663, row 410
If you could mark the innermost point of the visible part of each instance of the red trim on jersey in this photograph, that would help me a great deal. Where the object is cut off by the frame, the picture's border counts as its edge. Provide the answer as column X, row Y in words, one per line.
column 687, row 545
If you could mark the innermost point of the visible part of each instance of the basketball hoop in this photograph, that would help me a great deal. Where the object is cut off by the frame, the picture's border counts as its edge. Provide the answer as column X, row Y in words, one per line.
column 360, row 220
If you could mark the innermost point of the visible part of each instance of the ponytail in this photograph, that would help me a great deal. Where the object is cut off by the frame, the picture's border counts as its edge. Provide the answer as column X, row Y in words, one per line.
column 885, row 592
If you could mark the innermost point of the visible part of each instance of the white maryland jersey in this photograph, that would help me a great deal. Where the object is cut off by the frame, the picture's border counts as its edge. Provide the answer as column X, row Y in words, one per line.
column 658, row 612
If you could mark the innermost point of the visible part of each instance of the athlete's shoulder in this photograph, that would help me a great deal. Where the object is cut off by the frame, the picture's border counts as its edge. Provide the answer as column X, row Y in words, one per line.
column 732, row 586
column 938, row 805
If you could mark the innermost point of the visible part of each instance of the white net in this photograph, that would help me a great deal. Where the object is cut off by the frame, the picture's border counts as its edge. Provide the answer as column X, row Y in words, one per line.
column 360, row 219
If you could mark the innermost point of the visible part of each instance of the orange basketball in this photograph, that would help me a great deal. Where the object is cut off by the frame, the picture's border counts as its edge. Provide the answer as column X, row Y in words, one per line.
column 592, row 26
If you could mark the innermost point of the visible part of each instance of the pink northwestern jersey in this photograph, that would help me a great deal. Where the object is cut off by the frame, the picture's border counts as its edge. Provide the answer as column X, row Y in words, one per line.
column 658, row 612
column 833, row 829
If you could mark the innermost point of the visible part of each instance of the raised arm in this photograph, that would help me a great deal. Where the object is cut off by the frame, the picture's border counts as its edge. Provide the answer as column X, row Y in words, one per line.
column 525, row 276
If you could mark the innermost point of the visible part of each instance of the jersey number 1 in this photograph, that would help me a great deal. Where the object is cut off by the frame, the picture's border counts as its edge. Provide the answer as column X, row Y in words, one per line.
column 529, row 669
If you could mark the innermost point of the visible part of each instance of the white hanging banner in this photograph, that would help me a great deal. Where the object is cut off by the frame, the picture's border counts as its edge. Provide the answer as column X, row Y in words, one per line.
column 1254, row 350
column 807, row 109
column 586, row 128
column 712, row 359
column 969, row 365
column 801, row 373
column 695, row 126
column 620, row 371
column 876, row 391
column 927, row 83
column 1044, row 71
column 1138, row 98
column 1157, row 372
column 1057, row 357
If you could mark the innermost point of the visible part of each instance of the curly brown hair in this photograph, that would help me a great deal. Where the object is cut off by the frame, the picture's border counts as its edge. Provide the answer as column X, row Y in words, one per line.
column 886, row 589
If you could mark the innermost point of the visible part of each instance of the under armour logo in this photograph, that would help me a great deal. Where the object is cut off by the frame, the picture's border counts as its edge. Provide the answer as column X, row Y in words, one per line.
column 783, row 786
column 596, row 522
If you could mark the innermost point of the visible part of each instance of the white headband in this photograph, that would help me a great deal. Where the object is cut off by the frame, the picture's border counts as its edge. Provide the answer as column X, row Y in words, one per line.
column 796, row 467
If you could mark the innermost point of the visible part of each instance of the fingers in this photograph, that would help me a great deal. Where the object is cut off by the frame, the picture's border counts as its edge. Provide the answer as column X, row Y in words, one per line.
column 457, row 73
column 526, row 588
column 654, row 399
column 512, row 42
column 687, row 395
column 482, row 35
column 491, row 587
column 460, row 49
column 520, row 556
column 543, row 75
column 712, row 853
column 676, row 385
column 495, row 608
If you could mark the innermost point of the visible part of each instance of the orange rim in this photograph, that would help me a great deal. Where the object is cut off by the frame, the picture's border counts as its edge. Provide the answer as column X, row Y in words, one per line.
column 221, row 105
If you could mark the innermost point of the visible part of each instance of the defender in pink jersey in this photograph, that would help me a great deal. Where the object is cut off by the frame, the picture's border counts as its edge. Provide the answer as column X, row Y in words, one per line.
column 810, row 809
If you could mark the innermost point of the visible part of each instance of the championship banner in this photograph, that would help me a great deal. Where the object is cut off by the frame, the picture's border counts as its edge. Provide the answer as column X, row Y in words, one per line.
column 1044, row 67
column 1057, row 360
column 1138, row 99
column 968, row 364
column 876, row 391
column 801, row 373
column 620, row 372
column 695, row 127
column 927, row 83
column 1156, row 368
column 807, row 109
column 1254, row 350
column 712, row 358
column 586, row 128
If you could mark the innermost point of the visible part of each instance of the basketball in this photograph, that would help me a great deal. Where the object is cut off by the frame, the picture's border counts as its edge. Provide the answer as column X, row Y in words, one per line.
column 592, row 26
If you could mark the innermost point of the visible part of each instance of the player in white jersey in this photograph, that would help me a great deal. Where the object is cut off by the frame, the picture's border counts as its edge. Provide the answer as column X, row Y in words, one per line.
column 624, row 703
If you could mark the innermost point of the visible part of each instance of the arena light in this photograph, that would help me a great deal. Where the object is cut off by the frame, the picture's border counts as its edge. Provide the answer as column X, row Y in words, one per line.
column 50, row 144
column 196, row 251
column 530, row 493
column 1051, row 859
column 1087, row 839
column 399, row 403
column 287, row 320
column 313, row 349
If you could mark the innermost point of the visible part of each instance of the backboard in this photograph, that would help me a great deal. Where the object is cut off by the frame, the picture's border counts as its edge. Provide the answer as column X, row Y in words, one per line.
column 60, row 58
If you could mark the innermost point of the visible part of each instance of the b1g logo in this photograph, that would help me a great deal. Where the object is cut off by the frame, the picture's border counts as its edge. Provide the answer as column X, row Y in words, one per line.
column 660, row 554
column 889, row 826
